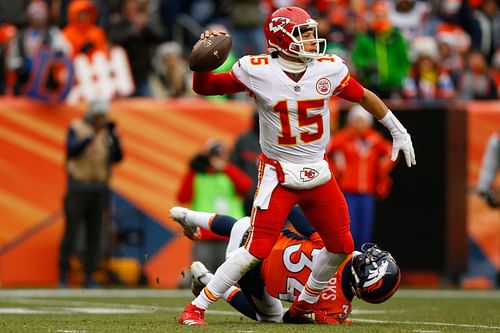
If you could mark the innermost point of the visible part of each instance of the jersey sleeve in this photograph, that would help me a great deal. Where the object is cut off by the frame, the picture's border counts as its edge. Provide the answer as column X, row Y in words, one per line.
column 209, row 83
column 240, row 72
column 352, row 90
column 341, row 74
column 347, row 87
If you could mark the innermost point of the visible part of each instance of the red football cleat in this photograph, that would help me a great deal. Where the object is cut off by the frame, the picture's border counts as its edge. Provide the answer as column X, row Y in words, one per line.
column 302, row 312
column 192, row 316
column 346, row 321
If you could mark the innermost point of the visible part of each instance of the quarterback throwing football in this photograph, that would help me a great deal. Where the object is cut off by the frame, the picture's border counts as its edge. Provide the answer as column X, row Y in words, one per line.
column 291, row 87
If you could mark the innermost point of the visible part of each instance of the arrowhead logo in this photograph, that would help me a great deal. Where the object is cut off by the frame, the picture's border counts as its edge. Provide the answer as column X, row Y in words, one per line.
column 308, row 174
column 277, row 23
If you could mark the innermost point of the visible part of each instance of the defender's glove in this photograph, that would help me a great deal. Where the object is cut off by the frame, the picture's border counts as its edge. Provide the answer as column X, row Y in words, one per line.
column 401, row 140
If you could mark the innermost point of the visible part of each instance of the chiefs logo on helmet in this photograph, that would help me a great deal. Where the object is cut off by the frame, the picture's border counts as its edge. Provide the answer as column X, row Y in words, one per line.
column 285, row 29
column 278, row 23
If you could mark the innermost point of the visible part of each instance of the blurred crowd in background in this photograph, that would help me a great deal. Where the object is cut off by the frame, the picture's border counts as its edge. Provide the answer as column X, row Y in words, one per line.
column 420, row 50
column 430, row 51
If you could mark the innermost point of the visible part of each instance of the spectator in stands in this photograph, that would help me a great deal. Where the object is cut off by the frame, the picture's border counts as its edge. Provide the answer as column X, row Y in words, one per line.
column 246, row 19
column 172, row 70
column 7, row 32
column 205, row 12
column 14, row 12
column 380, row 55
column 488, row 17
column 81, row 32
column 454, row 22
column 360, row 159
column 59, row 12
column 426, row 80
column 170, row 12
column 476, row 81
column 213, row 184
column 92, row 147
column 245, row 155
column 134, row 31
column 495, row 70
column 338, row 30
column 25, row 47
column 452, row 62
column 409, row 17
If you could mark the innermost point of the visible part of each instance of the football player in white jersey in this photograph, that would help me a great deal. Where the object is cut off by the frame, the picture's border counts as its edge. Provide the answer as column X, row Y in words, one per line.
column 291, row 87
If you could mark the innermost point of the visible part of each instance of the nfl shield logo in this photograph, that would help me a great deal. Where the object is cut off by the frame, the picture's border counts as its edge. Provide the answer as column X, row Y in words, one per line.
column 296, row 89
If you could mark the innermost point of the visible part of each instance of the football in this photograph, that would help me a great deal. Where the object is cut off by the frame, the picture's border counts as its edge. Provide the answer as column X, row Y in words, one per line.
column 210, row 53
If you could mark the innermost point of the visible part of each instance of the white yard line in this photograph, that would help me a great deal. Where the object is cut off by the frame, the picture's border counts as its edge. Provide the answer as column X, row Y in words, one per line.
column 175, row 293
column 96, row 293
column 106, row 310
column 375, row 321
column 69, row 310
column 70, row 303
column 448, row 293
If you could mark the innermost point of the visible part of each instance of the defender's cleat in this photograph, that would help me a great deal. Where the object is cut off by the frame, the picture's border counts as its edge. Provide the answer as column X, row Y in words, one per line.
column 178, row 214
column 302, row 312
column 192, row 316
column 198, row 270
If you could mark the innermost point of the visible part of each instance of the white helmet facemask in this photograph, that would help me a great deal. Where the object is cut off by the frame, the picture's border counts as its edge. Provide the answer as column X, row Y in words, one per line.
column 297, row 46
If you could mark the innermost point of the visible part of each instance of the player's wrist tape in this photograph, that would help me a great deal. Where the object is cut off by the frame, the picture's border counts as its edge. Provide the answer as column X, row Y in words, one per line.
column 392, row 123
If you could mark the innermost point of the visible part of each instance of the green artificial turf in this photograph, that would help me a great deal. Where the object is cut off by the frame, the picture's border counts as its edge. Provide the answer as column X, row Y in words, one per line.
column 82, row 311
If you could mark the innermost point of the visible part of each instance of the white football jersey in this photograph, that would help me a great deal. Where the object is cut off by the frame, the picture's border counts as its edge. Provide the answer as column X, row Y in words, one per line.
column 294, row 116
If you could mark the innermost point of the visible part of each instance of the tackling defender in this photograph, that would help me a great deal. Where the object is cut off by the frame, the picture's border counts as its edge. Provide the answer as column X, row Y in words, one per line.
column 282, row 275
column 291, row 88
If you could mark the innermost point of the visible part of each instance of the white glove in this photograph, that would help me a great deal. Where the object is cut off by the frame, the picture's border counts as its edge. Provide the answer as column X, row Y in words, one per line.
column 401, row 140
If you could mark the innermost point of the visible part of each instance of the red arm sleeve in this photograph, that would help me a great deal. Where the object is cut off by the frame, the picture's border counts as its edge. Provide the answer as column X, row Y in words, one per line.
column 353, row 91
column 185, row 194
column 242, row 182
column 209, row 83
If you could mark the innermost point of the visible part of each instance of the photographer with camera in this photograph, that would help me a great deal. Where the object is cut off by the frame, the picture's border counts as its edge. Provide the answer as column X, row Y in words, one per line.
column 213, row 184
column 92, row 147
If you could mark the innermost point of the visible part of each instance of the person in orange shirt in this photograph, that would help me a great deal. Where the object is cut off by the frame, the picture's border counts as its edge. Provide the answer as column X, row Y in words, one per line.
column 82, row 32
column 360, row 159
column 283, row 274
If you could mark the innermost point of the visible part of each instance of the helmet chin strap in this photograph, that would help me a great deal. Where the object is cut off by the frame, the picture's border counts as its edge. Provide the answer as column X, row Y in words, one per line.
column 292, row 66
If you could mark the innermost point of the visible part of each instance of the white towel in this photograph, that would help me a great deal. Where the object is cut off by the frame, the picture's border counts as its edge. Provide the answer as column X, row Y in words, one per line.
column 306, row 176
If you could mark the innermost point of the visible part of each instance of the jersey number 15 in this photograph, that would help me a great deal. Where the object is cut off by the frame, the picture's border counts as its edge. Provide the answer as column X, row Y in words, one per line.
column 286, row 137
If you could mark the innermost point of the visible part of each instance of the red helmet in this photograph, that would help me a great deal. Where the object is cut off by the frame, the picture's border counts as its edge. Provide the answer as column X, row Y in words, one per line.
column 284, row 28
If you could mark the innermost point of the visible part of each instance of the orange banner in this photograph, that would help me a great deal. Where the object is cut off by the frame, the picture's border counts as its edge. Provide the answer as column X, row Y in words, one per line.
column 159, row 137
